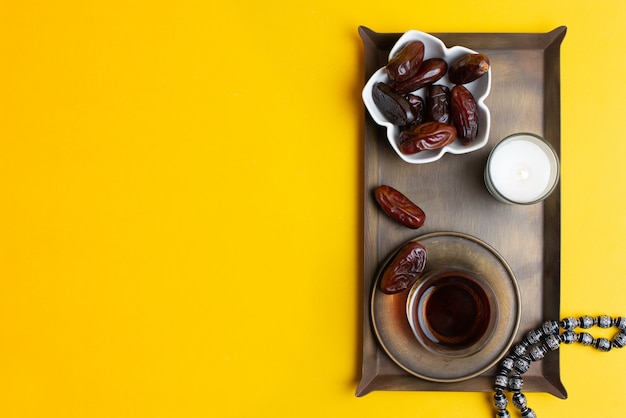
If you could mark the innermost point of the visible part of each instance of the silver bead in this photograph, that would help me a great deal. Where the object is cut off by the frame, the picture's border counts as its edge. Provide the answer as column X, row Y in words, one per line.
column 519, row 400
column 500, row 400
column 620, row 339
column 605, row 321
column 550, row 327
column 569, row 337
column 621, row 323
column 503, row 413
column 515, row 383
column 522, row 364
column 537, row 352
column 569, row 323
column 533, row 336
column 507, row 363
column 519, row 349
column 553, row 341
column 603, row 344
column 585, row 338
column 528, row 413
column 500, row 382
column 587, row 322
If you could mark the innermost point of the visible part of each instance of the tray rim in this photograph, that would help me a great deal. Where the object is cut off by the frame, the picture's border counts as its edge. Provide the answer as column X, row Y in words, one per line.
column 370, row 381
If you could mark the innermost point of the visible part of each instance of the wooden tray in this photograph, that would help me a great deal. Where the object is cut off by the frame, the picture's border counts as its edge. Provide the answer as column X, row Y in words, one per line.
column 525, row 97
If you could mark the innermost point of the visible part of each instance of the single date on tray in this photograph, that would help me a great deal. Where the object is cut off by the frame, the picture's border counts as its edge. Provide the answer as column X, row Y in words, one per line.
column 405, row 268
column 399, row 207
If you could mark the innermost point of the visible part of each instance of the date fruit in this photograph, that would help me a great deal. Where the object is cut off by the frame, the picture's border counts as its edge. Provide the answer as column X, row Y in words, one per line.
column 438, row 99
column 405, row 268
column 468, row 68
column 430, row 71
column 407, row 62
column 464, row 114
column 399, row 207
column 394, row 107
column 427, row 136
column 419, row 108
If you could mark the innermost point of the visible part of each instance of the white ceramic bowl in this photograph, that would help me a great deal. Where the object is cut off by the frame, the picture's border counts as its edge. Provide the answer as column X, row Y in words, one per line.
column 433, row 48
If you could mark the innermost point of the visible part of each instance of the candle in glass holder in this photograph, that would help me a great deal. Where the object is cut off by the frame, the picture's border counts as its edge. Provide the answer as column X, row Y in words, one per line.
column 522, row 169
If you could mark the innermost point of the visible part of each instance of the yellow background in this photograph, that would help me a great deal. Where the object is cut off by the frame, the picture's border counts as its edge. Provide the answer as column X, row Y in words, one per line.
column 180, row 204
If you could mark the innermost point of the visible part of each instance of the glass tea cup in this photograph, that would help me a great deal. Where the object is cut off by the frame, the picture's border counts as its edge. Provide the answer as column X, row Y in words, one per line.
column 452, row 312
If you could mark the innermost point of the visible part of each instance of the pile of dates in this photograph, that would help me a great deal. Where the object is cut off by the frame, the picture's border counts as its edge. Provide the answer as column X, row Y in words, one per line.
column 443, row 115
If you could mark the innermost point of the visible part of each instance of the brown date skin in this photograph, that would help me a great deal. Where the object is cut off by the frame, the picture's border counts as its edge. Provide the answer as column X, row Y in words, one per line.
column 438, row 99
column 394, row 107
column 417, row 103
column 419, row 110
column 430, row 71
column 399, row 207
column 464, row 114
column 427, row 136
column 405, row 268
column 468, row 68
column 407, row 62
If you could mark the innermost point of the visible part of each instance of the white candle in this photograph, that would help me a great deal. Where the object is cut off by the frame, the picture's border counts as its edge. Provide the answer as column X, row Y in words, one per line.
column 522, row 169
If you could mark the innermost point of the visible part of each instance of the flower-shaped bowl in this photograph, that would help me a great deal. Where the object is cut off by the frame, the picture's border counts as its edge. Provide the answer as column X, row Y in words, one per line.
column 433, row 48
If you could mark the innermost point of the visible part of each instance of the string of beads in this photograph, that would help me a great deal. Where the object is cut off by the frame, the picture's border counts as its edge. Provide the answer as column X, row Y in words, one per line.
column 537, row 343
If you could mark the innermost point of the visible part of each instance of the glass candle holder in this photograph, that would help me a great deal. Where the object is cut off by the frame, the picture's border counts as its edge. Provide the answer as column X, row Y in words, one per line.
column 522, row 169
